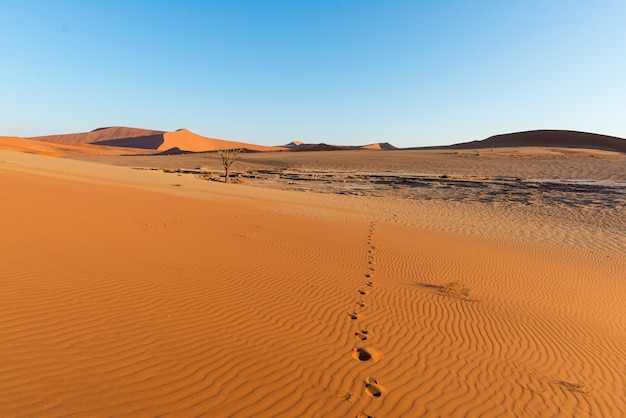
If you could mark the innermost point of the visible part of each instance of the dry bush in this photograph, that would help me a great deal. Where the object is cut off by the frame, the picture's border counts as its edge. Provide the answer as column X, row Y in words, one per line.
column 211, row 176
column 457, row 290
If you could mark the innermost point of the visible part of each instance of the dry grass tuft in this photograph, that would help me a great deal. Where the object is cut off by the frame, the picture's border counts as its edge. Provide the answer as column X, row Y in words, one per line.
column 457, row 290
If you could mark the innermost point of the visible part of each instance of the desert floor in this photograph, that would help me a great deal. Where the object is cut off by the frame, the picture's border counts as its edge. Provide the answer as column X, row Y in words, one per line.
column 329, row 284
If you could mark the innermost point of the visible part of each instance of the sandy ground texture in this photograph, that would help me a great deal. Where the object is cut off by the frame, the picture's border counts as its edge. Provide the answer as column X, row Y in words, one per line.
column 132, row 292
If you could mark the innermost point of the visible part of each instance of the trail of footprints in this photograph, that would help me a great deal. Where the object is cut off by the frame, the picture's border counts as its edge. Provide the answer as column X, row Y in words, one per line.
column 360, row 351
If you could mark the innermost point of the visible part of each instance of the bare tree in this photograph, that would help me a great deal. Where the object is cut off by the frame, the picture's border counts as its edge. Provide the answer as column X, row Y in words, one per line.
column 229, row 156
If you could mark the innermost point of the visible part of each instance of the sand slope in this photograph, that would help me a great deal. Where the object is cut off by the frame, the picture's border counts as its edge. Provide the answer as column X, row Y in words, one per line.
column 138, row 293
column 43, row 147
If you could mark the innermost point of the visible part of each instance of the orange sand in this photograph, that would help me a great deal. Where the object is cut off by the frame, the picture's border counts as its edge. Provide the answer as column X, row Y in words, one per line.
column 140, row 293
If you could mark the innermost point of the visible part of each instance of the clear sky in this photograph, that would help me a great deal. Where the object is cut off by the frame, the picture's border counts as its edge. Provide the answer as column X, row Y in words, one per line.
column 413, row 73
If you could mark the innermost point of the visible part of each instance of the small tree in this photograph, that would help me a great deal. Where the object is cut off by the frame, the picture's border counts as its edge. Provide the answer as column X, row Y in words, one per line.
column 229, row 156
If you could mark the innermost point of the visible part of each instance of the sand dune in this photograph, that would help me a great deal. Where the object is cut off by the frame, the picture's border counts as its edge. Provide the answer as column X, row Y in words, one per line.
column 379, row 146
column 550, row 138
column 43, row 147
column 299, row 146
column 140, row 293
column 100, row 135
column 189, row 141
column 181, row 140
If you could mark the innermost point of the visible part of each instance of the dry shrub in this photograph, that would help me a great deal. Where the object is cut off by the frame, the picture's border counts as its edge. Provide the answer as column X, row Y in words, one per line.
column 457, row 290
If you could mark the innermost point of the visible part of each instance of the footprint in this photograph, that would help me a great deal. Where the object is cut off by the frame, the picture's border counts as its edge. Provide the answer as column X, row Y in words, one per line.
column 353, row 316
column 372, row 388
column 367, row 354
column 368, row 275
column 360, row 304
column 370, row 284
column 365, row 416
column 362, row 292
column 362, row 334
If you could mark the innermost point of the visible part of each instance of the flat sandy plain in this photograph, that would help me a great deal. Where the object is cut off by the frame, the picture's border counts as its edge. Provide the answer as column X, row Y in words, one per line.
column 332, row 284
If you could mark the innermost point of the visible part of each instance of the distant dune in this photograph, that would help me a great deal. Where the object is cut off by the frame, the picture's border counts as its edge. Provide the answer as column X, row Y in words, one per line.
column 379, row 146
column 190, row 141
column 319, row 147
column 549, row 138
column 101, row 135
column 58, row 149
column 181, row 140
column 293, row 144
column 123, row 140
column 299, row 146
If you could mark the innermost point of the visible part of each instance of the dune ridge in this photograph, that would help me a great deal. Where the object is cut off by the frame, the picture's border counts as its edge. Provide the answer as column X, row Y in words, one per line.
column 549, row 138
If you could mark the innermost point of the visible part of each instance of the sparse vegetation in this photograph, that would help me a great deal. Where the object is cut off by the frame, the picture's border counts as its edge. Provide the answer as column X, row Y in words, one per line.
column 239, row 179
column 211, row 176
column 229, row 156
column 458, row 290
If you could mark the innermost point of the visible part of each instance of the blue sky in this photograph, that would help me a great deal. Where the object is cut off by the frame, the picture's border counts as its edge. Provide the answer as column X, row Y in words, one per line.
column 413, row 73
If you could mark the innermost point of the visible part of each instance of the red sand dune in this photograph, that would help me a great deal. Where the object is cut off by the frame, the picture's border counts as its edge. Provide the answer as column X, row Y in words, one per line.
column 549, row 138
column 319, row 147
column 181, row 140
column 293, row 144
column 299, row 146
column 100, row 135
column 189, row 141
column 55, row 149
column 379, row 146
